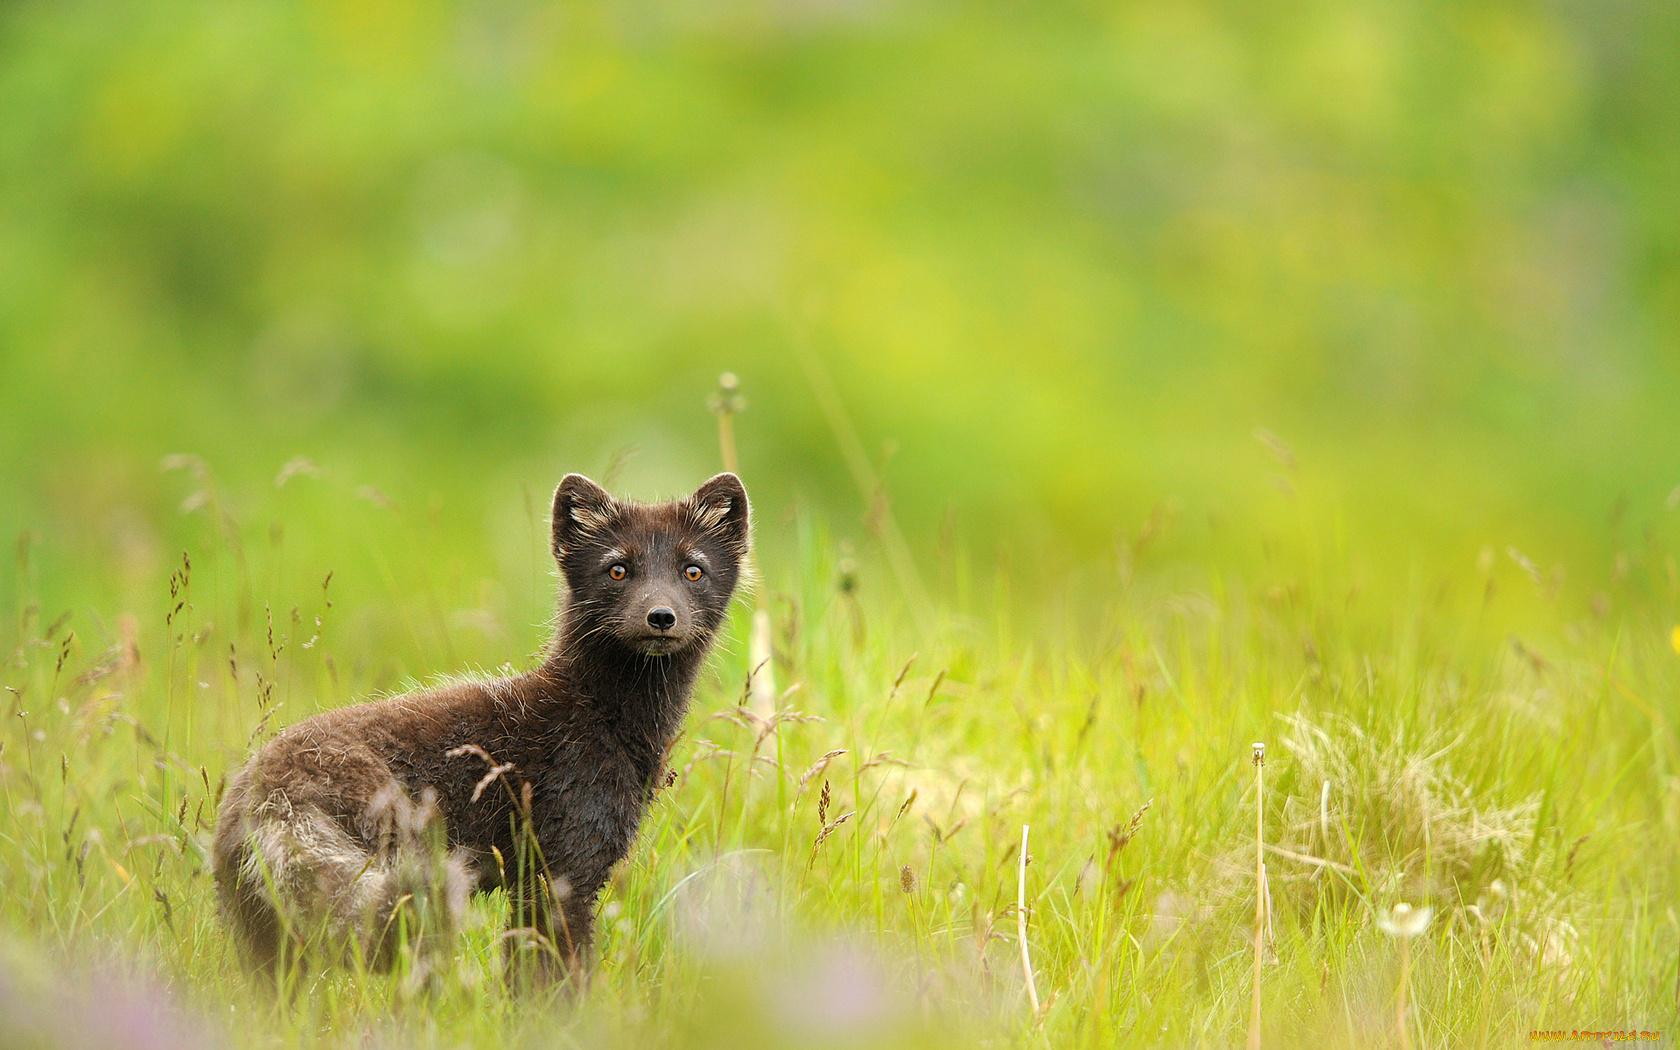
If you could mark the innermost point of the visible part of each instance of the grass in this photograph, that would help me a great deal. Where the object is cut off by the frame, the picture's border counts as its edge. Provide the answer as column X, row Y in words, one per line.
column 845, row 872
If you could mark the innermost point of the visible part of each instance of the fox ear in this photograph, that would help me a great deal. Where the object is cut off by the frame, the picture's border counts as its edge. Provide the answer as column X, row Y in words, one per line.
column 719, row 507
column 580, row 508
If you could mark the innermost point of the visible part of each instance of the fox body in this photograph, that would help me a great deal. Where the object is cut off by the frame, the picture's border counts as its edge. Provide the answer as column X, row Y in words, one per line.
column 347, row 819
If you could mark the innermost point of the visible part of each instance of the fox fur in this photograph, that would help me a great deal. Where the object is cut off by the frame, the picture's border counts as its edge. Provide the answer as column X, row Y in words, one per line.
column 360, row 823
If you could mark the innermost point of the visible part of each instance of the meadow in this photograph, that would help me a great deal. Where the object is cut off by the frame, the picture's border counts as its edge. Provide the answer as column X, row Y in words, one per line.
column 1122, row 385
column 844, row 871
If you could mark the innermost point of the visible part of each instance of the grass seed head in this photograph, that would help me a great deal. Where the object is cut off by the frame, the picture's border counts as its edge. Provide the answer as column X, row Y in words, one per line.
column 1405, row 921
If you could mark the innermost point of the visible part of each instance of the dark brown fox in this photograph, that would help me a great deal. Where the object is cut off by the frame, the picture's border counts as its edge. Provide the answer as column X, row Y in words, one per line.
column 329, row 837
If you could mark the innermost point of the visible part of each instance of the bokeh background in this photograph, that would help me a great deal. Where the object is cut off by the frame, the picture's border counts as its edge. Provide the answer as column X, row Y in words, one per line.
column 1127, row 382
column 1397, row 282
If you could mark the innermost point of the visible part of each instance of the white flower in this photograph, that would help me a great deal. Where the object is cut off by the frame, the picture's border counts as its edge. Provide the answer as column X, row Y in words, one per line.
column 1405, row 921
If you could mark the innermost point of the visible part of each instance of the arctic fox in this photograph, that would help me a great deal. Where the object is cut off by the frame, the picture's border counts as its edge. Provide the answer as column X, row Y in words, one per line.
column 358, row 824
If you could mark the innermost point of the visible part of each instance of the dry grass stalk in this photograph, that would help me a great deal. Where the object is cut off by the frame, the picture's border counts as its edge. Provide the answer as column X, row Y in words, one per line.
column 726, row 404
column 1119, row 838
column 1391, row 809
column 883, row 758
column 1259, row 887
column 1021, row 920
column 816, row 768
column 1404, row 922
column 760, row 659
column 827, row 830
column 899, row 681
column 496, row 768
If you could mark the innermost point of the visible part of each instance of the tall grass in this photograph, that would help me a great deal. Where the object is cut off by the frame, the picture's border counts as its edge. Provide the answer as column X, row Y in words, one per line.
column 844, row 871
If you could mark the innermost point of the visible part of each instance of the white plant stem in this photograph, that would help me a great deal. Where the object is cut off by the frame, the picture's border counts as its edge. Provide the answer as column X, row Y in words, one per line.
column 1021, row 921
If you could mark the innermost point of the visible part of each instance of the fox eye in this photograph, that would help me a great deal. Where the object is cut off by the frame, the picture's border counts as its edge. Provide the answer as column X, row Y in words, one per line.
column 618, row 572
column 693, row 572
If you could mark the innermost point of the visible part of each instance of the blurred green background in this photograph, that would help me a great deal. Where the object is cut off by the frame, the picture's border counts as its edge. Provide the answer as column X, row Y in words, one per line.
column 1059, row 261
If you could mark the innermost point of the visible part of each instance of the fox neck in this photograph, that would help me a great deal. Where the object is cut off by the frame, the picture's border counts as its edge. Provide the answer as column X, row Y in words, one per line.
column 641, row 698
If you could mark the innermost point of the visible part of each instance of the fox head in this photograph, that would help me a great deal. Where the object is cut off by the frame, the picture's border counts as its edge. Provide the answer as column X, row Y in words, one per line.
column 652, row 578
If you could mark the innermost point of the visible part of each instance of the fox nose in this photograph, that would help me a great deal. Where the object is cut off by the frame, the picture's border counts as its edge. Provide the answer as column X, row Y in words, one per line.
column 661, row 618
